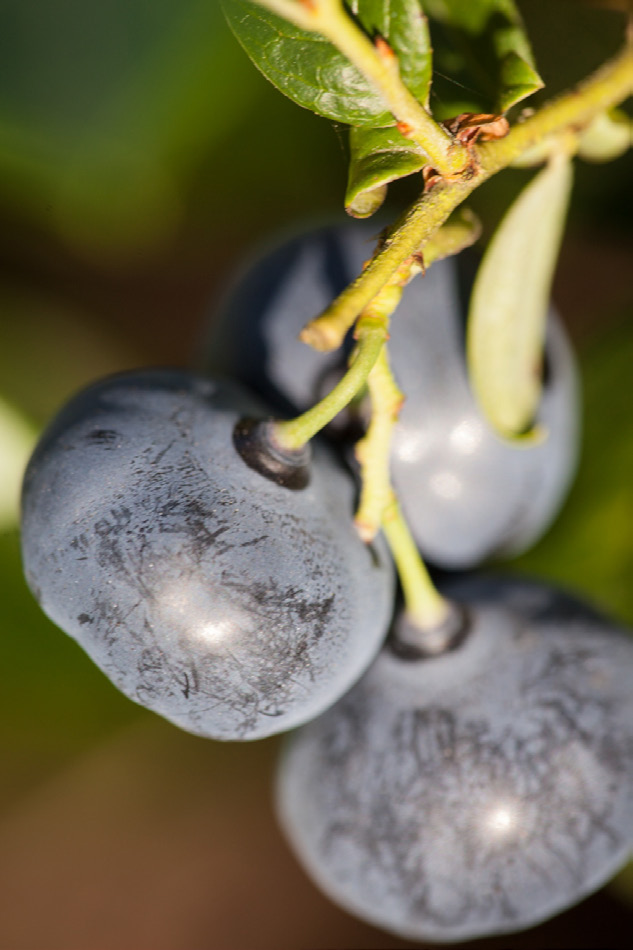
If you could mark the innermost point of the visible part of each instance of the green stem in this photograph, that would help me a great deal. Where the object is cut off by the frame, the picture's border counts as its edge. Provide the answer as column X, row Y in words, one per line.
column 294, row 433
column 374, row 450
column 424, row 605
column 328, row 331
column 329, row 19
column 372, row 331
column 607, row 87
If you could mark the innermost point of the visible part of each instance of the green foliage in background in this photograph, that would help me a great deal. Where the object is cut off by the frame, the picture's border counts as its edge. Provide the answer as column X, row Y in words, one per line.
column 105, row 108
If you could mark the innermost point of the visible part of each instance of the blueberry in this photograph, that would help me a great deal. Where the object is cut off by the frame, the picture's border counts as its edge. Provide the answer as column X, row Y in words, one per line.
column 479, row 791
column 230, row 604
column 467, row 494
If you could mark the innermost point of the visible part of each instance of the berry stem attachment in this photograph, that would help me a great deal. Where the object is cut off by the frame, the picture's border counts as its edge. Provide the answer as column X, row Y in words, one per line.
column 425, row 607
column 380, row 66
column 607, row 87
column 373, row 451
column 372, row 331
column 294, row 433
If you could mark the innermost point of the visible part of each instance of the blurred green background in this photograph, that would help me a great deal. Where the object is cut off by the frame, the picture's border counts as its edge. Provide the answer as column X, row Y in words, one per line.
column 140, row 156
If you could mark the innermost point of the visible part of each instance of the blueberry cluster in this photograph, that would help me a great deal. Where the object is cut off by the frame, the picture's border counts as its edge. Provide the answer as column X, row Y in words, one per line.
column 467, row 494
column 217, row 578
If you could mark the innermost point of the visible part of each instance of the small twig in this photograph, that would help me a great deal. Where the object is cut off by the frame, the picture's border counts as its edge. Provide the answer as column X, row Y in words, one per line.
column 294, row 433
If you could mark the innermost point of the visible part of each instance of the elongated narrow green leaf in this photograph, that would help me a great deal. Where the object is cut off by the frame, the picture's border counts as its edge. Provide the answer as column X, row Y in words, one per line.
column 377, row 157
column 508, row 307
column 313, row 73
column 482, row 47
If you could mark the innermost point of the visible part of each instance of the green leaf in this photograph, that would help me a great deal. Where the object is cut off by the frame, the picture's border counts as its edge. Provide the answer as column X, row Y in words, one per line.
column 313, row 73
column 508, row 307
column 517, row 81
column 483, row 50
column 378, row 156
column 304, row 66
column 405, row 27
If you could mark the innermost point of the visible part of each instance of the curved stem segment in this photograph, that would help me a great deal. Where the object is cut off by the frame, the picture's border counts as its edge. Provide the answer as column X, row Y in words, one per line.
column 294, row 433
column 372, row 331
column 374, row 450
column 329, row 19
column 607, row 87
column 425, row 606
column 426, row 609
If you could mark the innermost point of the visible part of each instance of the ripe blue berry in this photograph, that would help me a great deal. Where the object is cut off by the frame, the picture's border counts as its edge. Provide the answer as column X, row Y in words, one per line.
column 479, row 791
column 230, row 604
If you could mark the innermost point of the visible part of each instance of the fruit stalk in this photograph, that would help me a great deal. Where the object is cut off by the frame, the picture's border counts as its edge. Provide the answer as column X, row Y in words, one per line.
column 374, row 450
column 372, row 331
column 294, row 433
column 424, row 605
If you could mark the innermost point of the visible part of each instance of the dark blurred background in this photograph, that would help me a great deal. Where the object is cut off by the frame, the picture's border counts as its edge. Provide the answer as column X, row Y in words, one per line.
column 140, row 155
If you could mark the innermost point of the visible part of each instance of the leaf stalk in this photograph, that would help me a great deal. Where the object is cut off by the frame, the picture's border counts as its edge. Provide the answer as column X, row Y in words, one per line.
column 294, row 433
